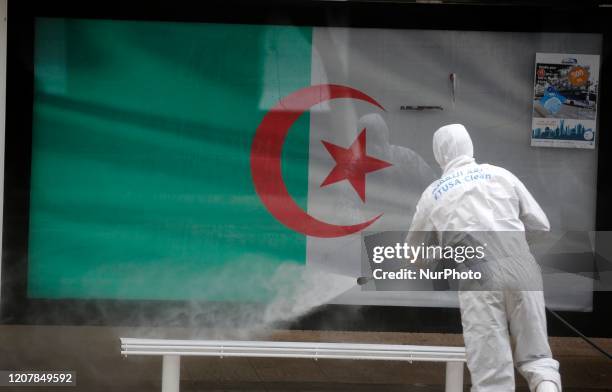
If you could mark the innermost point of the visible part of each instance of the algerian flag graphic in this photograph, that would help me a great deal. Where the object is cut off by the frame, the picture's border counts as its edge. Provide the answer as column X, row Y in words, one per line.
column 189, row 161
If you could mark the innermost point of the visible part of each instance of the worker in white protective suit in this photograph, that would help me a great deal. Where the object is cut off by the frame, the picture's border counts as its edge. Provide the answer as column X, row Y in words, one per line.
column 472, row 197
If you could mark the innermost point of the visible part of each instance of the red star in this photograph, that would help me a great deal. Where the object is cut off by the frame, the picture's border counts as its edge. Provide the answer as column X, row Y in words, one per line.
column 352, row 164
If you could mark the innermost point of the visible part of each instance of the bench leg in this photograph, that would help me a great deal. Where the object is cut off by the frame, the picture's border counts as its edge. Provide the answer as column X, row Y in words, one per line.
column 454, row 377
column 171, row 373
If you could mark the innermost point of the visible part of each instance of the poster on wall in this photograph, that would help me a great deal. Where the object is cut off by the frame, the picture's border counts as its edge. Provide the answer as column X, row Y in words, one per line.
column 565, row 100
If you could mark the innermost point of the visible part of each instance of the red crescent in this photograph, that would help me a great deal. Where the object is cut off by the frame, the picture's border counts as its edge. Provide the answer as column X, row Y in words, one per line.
column 266, row 160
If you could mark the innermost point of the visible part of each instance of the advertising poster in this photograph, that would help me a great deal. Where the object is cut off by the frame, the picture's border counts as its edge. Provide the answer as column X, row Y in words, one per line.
column 565, row 100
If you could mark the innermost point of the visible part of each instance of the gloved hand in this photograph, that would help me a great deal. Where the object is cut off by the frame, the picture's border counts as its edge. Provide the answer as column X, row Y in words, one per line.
column 547, row 386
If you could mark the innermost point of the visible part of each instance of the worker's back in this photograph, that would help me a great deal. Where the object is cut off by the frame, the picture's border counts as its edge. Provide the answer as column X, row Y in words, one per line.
column 476, row 198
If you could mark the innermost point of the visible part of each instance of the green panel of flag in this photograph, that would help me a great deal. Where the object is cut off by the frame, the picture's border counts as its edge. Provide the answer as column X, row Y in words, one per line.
column 141, row 184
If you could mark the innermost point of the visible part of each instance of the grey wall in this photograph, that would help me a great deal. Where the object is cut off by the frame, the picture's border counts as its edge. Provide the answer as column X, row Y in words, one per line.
column 493, row 99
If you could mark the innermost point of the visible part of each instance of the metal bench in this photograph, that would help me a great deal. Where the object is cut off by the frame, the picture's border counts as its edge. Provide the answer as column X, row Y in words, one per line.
column 173, row 350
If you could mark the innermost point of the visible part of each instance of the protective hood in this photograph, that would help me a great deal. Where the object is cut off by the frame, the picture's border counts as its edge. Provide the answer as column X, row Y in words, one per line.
column 452, row 145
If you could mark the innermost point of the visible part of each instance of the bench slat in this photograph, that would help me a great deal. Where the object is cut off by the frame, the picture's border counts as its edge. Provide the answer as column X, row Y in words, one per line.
column 272, row 349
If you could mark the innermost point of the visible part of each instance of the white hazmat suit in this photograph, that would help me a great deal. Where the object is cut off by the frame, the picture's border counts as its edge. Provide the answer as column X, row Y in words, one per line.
column 472, row 197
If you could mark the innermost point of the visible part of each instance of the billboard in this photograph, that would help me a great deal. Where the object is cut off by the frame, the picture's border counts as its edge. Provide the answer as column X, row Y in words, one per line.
column 227, row 162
